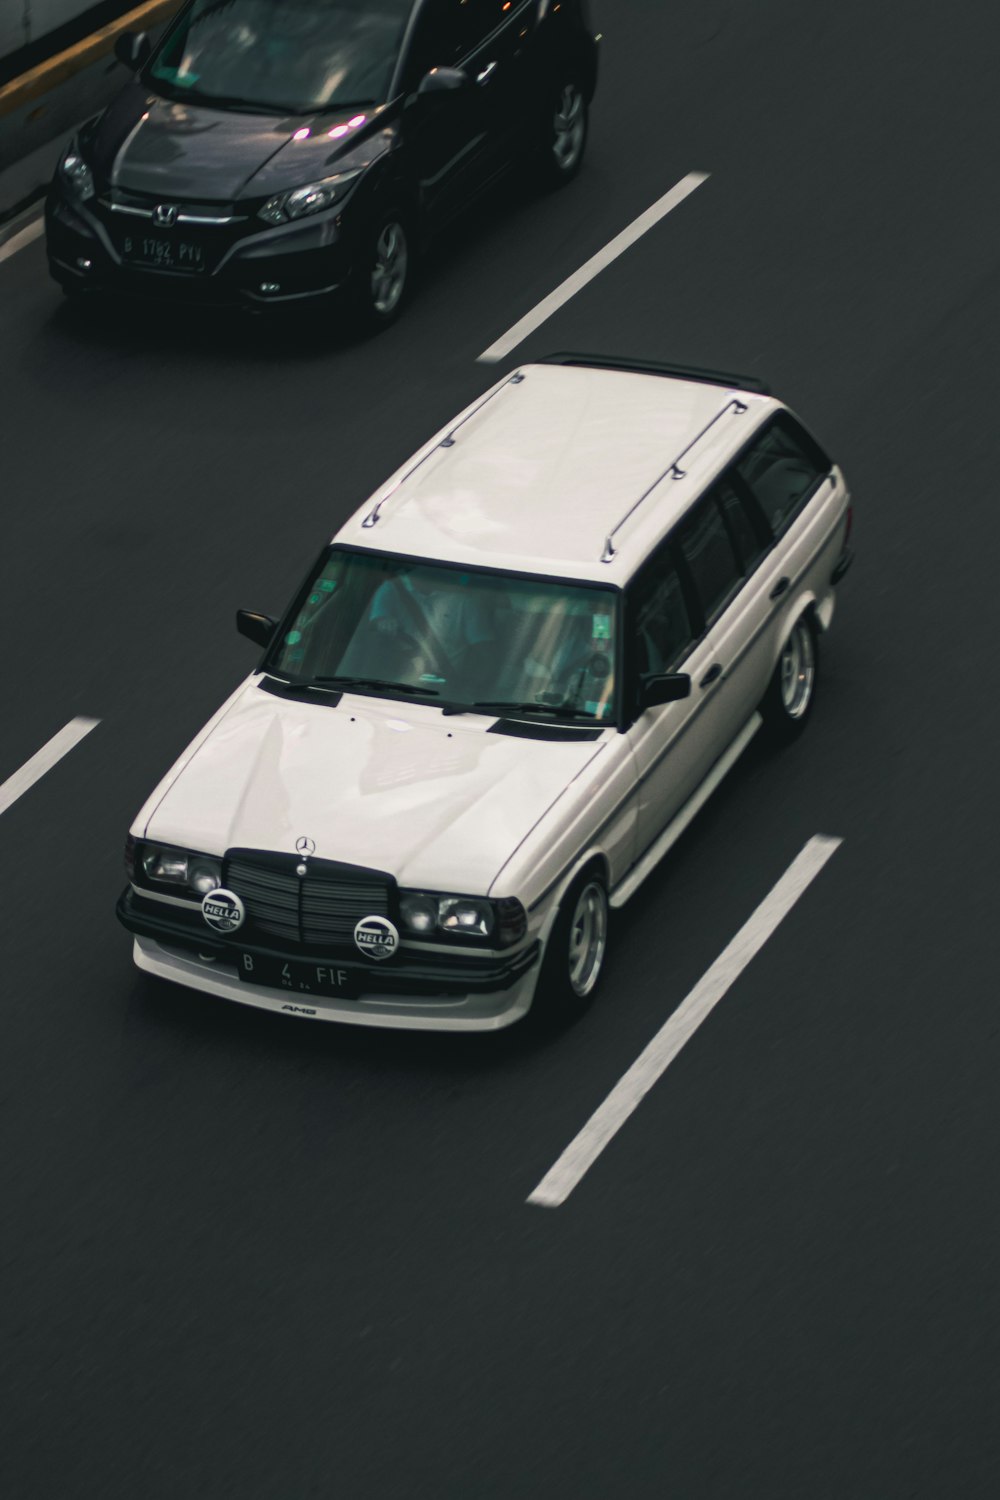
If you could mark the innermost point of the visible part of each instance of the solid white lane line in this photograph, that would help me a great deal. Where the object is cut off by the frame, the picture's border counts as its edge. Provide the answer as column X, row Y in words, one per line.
column 592, row 268
column 21, row 238
column 557, row 1184
column 43, row 760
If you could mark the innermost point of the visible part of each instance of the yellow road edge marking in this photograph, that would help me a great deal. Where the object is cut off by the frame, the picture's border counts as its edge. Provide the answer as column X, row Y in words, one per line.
column 55, row 70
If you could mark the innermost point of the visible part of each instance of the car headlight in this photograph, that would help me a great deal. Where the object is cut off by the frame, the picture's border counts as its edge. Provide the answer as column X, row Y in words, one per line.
column 311, row 199
column 419, row 914
column 76, row 175
column 157, row 864
column 460, row 914
column 428, row 915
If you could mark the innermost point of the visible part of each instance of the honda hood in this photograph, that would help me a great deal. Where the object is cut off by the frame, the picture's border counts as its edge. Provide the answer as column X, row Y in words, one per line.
column 175, row 149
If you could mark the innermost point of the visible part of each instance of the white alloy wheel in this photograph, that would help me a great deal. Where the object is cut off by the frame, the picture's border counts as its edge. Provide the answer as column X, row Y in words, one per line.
column 588, row 938
column 797, row 670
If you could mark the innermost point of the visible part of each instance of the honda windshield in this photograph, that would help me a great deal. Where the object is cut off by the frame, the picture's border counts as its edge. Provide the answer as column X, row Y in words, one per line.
column 288, row 56
column 461, row 637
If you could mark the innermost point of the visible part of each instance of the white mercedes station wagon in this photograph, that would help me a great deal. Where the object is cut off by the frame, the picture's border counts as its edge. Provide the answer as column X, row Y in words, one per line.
column 506, row 687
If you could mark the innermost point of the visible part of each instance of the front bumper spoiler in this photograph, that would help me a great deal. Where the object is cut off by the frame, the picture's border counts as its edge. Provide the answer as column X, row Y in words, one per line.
column 421, row 981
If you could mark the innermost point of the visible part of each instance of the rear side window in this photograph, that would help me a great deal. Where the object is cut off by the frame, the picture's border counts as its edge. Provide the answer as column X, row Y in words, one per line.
column 782, row 467
column 745, row 527
column 705, row 545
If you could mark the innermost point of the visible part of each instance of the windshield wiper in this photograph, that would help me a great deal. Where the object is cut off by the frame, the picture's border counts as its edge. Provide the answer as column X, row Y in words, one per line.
column 380, row 683
column 334, row 104
column 236, row 101
column 500, row 705
column 220, row 101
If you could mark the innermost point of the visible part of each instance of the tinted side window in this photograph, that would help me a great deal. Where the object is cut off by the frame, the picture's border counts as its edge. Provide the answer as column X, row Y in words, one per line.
column 706, row 548
column 480, row 17
column 783, row 467
column 660, row 628
column 745, row 527
column 437, row 39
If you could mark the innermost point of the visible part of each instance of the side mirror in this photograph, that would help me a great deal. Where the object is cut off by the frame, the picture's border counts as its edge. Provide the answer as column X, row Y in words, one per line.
column 132, row 48
column 443, row 81
column 256, row 628
column 667, row 687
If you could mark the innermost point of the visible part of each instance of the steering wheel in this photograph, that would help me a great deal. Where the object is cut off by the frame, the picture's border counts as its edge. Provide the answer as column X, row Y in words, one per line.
column 595, row 665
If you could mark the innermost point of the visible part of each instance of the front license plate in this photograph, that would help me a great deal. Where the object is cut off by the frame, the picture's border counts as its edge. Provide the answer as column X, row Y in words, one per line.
column 330, row 979
column 163, row 254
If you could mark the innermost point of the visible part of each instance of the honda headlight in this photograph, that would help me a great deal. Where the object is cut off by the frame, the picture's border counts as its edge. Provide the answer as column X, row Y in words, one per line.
column 427, row 915
column 311, row 199
column 76, row 175
column 159, row 865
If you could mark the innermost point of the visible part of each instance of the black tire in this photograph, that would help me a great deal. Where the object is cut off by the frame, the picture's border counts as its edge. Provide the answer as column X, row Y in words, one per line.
column 788, row 703
column 384, row 273
column 563, row 134
column 567, row 982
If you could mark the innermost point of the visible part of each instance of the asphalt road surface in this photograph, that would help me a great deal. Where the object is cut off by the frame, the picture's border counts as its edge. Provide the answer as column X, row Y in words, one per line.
column 246, row 1256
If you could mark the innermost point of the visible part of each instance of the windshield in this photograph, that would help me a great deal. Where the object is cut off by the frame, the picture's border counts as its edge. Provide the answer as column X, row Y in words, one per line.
column 292, row 56
column 467, row 637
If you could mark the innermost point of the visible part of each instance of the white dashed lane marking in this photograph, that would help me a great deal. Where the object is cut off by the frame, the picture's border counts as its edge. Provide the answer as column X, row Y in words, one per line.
column 569, row 288
column 43, row 760
column 580, row 1155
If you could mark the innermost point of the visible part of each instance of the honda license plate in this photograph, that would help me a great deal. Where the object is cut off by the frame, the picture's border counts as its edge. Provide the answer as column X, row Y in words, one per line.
column 161, row 254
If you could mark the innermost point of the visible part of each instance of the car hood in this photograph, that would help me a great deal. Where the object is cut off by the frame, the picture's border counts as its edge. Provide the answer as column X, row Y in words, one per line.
column 439, row 802
column 180, row 150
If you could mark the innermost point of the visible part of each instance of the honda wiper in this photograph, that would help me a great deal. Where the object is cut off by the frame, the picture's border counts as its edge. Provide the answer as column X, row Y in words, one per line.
column 251, row 106
column 333, row 105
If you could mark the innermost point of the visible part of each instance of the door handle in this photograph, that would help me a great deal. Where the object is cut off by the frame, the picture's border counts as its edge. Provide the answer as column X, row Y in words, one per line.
column 779, row 588
column 712, row 675
column 487, row 73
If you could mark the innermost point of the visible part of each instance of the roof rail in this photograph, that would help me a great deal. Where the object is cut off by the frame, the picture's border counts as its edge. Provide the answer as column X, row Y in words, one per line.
column 674, row 470
column 448, row 441
column 657, row 367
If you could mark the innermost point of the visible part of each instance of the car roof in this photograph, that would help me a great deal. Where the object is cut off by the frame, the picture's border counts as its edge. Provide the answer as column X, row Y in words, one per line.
column 570, row 470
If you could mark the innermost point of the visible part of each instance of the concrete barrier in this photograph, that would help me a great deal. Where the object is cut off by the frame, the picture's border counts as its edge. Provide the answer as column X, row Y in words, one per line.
column 44, row 104
column 27, row 22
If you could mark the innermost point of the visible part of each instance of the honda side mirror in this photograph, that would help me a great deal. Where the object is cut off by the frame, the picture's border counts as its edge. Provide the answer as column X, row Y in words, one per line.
column 443, row 81
column 257, row 628
column 132, row 49
column 666, row 687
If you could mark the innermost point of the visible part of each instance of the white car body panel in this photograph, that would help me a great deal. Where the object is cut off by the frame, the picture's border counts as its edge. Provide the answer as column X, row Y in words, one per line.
column 558, row 443
column 393, row 786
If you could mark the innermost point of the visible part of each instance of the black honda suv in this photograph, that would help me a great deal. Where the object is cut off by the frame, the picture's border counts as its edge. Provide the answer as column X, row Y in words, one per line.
column 268, row 151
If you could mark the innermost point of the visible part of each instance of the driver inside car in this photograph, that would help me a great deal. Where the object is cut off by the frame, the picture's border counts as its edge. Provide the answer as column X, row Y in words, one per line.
column 441, row 622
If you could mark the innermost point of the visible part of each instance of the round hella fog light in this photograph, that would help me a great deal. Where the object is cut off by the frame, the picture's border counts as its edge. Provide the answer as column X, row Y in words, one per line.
column 419, row 913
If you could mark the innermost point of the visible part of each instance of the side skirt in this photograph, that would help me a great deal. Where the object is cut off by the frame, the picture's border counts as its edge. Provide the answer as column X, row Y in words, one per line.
column 633, row 880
